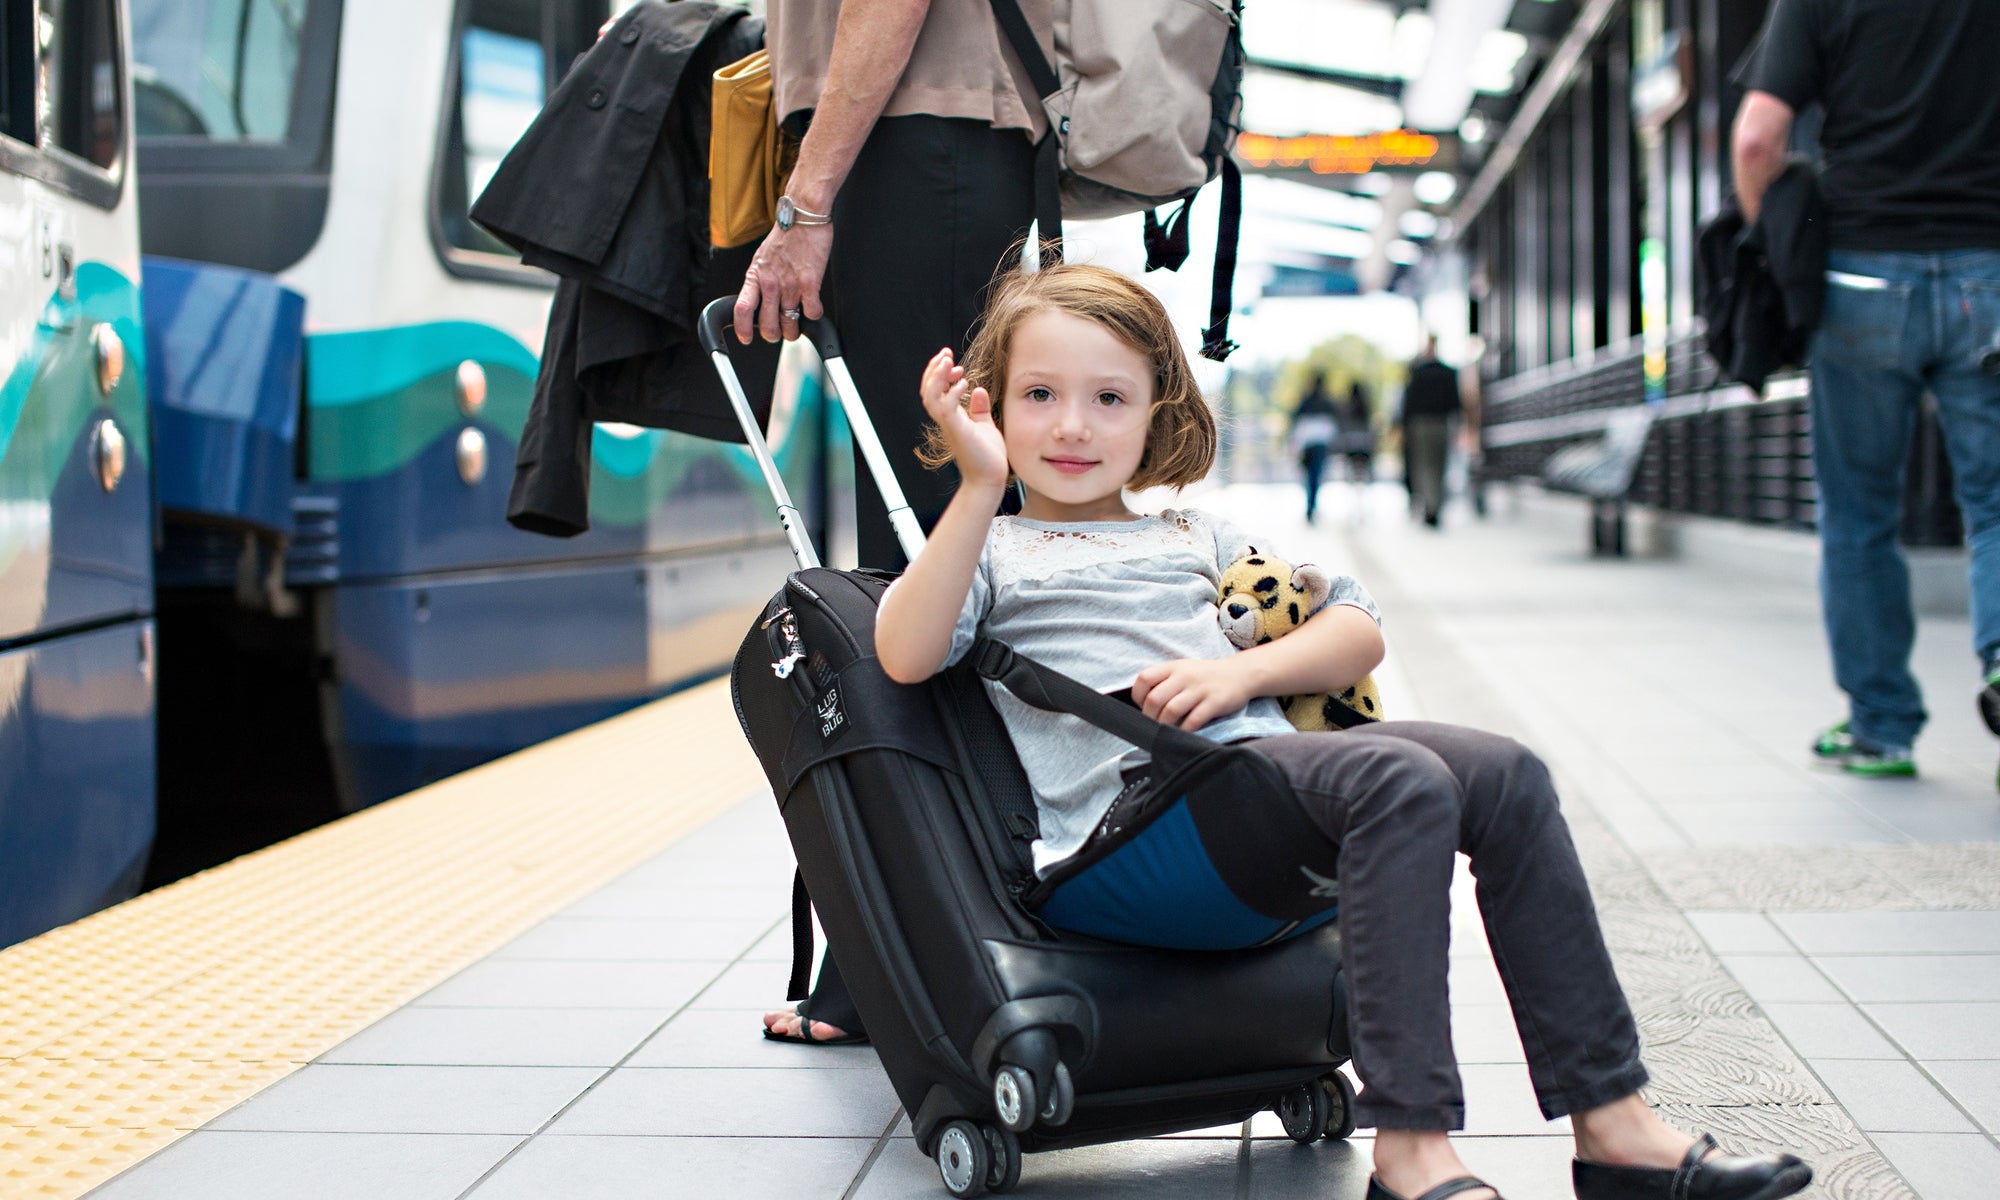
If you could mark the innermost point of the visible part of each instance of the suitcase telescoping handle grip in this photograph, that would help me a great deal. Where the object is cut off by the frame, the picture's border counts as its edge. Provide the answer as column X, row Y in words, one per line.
column 718, row 336
column 718, row 330
column 710, row 329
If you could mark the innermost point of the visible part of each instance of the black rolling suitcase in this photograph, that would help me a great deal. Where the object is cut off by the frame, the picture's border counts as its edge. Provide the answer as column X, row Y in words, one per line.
column 911, row 819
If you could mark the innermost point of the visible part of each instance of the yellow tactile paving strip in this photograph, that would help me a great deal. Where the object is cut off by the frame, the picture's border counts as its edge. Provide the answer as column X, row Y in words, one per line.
column 128, row 1029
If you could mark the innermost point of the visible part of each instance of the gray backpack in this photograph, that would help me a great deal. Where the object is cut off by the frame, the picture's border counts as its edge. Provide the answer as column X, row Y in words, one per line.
column 1143, row 101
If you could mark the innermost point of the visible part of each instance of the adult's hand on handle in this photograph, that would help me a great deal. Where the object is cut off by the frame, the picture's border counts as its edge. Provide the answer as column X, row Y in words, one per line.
column 783, row 281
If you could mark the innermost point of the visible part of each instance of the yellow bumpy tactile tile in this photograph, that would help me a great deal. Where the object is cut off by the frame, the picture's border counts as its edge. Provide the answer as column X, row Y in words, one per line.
column 129, row 1028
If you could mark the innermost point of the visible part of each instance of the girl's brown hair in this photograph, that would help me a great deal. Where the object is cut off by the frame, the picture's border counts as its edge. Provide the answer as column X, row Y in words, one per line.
column 1181, row 437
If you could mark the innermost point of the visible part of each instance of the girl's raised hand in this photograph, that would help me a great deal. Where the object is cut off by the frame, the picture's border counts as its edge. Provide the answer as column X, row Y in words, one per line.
column 966, row 418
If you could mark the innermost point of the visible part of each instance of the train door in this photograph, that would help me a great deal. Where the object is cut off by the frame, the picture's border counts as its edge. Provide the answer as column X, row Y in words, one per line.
column 76, row 627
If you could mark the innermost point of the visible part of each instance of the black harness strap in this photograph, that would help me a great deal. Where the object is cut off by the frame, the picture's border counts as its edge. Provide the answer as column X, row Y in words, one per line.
column 802, row 939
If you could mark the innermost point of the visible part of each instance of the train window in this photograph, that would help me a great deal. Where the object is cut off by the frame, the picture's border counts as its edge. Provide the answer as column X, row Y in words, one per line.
column 218, row 70
column 80, row 89
column 17, row 72
column 510, row 54
column 503, row 78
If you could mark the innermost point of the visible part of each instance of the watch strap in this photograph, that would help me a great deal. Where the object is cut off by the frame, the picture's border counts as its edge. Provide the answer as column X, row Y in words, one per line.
column 802, row 216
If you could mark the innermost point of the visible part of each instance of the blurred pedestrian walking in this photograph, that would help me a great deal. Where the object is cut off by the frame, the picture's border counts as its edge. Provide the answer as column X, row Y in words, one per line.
column 1313, row 430
column 1432, row 400
column 1910, row 171
column 1356, row 419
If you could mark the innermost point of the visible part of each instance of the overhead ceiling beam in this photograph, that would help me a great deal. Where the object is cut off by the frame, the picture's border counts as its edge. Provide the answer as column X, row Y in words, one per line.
column 1554, row 80
column 1439, row 96
column 1373, row 85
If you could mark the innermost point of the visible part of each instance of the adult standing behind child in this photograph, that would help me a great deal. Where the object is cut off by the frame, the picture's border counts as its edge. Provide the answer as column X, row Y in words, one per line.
column 915, row 175
column 1076, row 388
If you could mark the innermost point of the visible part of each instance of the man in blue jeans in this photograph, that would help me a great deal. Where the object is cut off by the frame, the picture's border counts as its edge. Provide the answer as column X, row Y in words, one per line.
column 1911, row 174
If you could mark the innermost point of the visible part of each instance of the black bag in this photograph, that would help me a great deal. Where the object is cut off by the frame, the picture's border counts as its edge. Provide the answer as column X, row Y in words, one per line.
column 911, row 818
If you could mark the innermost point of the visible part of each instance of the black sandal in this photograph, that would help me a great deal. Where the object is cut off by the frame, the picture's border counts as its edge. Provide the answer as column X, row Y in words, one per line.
column 1450, row 1187
column 1724, row 1177
column 804, row 1036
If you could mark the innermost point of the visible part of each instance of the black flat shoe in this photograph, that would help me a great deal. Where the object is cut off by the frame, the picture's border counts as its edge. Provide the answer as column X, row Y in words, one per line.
column 1724, row 1177
column 1450, row 1187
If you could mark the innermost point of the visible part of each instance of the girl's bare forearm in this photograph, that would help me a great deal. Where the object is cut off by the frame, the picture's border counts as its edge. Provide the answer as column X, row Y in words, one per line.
column 1329, row 653
column 913, row 628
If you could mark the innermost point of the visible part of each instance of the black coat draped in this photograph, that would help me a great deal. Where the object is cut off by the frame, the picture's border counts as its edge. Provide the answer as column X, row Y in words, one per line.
column 608, row 189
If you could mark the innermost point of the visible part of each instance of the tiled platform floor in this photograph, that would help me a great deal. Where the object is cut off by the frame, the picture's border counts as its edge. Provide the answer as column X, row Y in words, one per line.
column 612, row 1051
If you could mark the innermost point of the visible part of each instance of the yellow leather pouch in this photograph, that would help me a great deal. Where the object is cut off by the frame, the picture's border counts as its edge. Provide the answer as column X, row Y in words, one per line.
column 748, row 157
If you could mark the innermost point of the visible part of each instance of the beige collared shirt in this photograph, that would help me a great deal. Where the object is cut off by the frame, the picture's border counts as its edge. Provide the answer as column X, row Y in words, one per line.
column 961, row 65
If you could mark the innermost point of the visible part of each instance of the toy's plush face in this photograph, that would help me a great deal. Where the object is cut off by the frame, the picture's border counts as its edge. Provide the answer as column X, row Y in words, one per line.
column 1265, row 598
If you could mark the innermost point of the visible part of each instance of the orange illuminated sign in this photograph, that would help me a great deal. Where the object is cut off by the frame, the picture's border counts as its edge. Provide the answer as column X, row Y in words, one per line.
column 1336, row 154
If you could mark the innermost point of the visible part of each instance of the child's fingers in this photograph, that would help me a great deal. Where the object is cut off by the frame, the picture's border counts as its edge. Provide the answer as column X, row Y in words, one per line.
column 940, row 384
column 1177, row 710
column 1160, row 698
column 1143, row 684
column 978, row 404
column 1201, row 714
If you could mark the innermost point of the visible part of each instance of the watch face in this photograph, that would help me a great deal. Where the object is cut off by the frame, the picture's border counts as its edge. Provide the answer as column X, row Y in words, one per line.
column 786, row 212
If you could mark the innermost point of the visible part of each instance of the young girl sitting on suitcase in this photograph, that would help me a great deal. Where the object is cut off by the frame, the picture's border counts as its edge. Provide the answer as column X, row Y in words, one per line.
column 1077, row 388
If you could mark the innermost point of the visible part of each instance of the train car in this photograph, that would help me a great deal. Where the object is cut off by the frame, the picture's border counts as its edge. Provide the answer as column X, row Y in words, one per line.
column 299, row 478
column 77, row 645
column 341, row 365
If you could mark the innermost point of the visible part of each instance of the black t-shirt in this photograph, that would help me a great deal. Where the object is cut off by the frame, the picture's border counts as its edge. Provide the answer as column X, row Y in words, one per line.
column 1911, row 89
column 1432, row 390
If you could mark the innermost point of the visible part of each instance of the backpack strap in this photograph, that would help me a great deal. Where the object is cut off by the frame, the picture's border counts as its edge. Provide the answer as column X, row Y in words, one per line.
column 1215, row 343
column 1048, row 152
column 1014, row 23
column 1167, row 245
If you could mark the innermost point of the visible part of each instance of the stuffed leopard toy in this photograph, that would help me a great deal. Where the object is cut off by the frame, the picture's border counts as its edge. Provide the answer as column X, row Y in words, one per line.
column 1264, row 598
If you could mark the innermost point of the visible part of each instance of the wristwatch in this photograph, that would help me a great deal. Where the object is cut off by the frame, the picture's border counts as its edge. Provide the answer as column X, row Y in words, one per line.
column 790, row 214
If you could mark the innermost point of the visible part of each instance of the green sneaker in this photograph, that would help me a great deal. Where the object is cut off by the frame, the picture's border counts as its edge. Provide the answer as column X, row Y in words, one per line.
column 1838, row 746
column 1989, row 700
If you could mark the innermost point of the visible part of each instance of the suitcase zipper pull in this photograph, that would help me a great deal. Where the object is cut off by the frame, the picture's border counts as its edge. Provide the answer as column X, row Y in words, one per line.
column 795, row 651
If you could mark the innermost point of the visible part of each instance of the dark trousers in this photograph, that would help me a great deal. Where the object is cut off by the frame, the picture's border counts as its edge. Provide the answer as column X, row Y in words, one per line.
column 1396, row 801
column 929, row 209
column 1313, row 460
column 1426, row 446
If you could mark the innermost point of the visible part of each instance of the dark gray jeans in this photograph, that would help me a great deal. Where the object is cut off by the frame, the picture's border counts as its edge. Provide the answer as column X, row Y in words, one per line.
column 1396, row 801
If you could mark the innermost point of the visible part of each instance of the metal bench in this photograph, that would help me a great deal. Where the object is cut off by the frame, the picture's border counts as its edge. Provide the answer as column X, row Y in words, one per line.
column 1603, row 469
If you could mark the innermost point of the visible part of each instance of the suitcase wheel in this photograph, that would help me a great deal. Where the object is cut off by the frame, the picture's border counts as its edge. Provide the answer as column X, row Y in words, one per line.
column 1005, row 1172
column 1014, row 1100
column 1303, row 1112
column 1340, row 1106
column 1061, row 1099
column 964, row 1159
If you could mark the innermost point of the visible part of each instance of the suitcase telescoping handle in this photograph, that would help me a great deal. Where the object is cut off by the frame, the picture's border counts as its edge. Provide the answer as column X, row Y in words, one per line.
column 718, row 337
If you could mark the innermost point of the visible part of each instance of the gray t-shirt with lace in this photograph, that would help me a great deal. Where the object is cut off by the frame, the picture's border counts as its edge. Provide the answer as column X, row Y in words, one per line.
column 1100, row 601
